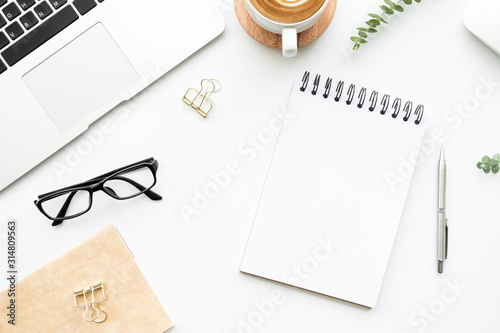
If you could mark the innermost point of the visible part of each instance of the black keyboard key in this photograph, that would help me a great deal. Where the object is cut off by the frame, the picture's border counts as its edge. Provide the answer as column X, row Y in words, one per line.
column 83, row 6
column 57, row 3
column 43, row 10
column 39, row 35
column 11, row 11
column 2, row 2
column 25, row 4
column 14, row 30
column 4, row 41
column 28, row 20
column 3, row 68
column 2, row 21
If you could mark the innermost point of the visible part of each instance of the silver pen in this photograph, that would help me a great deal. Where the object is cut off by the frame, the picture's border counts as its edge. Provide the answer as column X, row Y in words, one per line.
column 442, row 232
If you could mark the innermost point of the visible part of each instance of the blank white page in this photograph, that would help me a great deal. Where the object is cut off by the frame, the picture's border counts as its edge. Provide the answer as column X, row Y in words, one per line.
column 333, row 198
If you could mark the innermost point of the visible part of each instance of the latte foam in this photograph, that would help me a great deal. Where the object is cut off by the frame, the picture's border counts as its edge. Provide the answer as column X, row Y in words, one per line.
column 287, row 11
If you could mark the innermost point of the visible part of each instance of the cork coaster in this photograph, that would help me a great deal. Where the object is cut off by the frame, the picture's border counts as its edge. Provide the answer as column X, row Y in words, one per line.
column 274, row 40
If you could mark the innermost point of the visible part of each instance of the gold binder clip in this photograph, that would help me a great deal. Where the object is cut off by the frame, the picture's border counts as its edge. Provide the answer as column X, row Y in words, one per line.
column 91, row 299
column 199, row 99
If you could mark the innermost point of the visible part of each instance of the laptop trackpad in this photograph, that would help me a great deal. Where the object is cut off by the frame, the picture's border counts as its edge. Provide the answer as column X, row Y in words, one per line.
column 82, row 77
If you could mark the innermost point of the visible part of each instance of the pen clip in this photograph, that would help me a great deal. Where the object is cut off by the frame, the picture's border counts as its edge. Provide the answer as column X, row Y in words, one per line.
column 446, row 239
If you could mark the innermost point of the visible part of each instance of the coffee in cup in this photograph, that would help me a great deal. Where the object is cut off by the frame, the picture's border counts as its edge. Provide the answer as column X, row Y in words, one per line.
column 287, row 11
column 286, row 17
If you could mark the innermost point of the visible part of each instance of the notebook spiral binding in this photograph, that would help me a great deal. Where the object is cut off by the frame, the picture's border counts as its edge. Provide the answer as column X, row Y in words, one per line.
column 361, row 98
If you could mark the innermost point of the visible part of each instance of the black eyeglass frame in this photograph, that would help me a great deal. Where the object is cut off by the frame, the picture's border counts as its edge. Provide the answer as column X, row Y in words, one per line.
column 97, row 184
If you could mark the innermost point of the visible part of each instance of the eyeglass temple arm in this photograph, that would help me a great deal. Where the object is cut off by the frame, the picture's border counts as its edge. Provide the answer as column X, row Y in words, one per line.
column 62, row 213
column 132, row 166
column 101, row 177
column 150, row 194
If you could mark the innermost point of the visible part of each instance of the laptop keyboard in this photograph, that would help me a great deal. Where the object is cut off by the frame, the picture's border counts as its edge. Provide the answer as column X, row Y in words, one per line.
column 26, row 24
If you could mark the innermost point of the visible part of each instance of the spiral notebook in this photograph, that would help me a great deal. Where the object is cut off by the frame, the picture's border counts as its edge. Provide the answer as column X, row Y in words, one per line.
column 335, row 190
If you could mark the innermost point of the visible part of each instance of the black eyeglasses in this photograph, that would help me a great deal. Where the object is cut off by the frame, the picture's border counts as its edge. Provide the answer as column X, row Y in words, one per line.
column 123, row 183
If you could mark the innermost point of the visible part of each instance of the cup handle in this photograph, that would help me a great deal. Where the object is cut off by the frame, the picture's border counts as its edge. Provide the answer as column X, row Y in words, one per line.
column 289, row 42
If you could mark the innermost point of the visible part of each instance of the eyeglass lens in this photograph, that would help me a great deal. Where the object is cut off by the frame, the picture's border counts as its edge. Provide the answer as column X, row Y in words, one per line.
column 130, row 183
column 76, row 202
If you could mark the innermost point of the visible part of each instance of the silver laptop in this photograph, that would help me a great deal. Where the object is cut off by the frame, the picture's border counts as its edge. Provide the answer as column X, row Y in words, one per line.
column 65, row 63
column 482, row 18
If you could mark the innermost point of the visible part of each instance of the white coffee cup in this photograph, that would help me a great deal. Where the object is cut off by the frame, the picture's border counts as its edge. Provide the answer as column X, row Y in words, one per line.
column 288, row 31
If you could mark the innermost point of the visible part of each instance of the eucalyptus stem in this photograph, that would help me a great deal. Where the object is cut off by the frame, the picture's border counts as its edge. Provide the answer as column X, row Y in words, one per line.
column 376, row 19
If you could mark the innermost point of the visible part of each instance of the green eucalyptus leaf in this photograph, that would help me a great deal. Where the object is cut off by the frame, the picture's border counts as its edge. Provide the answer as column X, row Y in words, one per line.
column 398, row 8
column 362, row 29
column 496, row 157
column 494, row 163
column 479, row 165
column 408, row 2
column 378, row 17
column 495, row 169
column 373, row 23
column 371, row 30
column 390, row 3
column 417, row 1
column 486, row 169
column 387, row 10
column 486, row 159
column 359, row 40
column 362, row 34
column 356, row 46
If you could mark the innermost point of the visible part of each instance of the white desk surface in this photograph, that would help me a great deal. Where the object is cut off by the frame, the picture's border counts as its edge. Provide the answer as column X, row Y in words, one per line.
column 424, row 54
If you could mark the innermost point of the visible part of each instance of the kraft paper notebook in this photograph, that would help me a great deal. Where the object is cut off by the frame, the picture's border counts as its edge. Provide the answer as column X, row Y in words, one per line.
column 45, row 298
column 335, row 190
